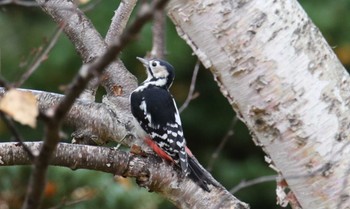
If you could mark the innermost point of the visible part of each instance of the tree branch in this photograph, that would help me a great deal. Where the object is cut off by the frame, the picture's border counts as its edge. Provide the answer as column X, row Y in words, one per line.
column 119, row 20
column 150, row 172
column 118, row 24
column 158, row 30
column 285, row 83
column 191, row 93
column 97, row 120
column 229, row 134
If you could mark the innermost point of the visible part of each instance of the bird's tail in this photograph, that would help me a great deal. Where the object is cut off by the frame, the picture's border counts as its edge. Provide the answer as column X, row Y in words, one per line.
column 199, row 175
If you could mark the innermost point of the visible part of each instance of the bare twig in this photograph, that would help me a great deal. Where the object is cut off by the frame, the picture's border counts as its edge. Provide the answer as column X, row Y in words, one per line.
column 158, row 29
column 244, row 184
column 42, row 57
column 190, row 95
column 217, row 151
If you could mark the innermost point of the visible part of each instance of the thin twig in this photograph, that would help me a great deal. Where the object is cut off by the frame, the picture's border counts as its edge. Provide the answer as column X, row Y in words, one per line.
column 42, row 57
column 158, row 30
column 190, row 95
column 224, row 140
column 11, row 126
column 244, row 184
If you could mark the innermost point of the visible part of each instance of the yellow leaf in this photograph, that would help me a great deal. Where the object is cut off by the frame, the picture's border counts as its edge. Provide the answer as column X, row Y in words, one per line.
column 21, row 106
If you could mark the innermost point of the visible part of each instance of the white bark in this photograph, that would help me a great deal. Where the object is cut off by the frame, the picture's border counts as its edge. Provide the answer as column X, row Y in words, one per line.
column 284, row 82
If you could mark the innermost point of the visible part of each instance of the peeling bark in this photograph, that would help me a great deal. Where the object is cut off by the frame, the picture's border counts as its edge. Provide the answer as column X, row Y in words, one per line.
column 284, row 82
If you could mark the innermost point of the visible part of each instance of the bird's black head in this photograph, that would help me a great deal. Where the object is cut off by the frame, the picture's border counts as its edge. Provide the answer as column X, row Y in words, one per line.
column 159, row 70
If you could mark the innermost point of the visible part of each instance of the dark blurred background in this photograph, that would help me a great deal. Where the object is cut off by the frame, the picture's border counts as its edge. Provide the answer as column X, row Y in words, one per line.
column 206, row 120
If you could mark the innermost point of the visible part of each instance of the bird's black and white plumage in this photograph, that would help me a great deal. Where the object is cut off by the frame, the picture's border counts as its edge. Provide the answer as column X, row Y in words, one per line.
column 155, row 109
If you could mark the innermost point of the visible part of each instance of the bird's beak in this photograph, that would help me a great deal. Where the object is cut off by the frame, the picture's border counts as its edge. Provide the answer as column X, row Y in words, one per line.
column 144, row 61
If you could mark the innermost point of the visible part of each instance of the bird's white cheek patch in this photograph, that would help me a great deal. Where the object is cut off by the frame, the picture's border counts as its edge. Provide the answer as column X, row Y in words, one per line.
column 160, row 72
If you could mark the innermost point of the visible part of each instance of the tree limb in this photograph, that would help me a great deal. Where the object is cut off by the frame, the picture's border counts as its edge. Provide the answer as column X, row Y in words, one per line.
column 150, row 172
column 285, row 83
column 97, row 121
column 119, row 20
column 158, row 38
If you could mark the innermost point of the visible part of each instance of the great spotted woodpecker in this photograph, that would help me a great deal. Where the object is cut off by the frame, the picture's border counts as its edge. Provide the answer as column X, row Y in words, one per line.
column 155, row 109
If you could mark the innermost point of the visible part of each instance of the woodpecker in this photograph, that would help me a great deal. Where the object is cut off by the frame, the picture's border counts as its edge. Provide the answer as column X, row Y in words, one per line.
column 155, row 109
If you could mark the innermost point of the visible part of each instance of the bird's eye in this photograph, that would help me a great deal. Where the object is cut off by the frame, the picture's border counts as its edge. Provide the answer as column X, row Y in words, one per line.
column 154, row 64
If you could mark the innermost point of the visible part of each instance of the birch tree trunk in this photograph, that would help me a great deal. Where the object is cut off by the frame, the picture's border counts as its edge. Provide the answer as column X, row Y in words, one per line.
column 284, row 82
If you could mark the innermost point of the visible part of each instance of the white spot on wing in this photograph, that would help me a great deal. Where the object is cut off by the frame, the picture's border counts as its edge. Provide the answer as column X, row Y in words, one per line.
column 164, row 136
column 143, row 107
column 177, row 116
column 180, row 144
column 161, row 144
column 174, row 125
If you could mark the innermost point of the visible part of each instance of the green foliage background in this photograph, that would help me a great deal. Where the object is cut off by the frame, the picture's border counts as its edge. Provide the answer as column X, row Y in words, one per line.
column 206, row 120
